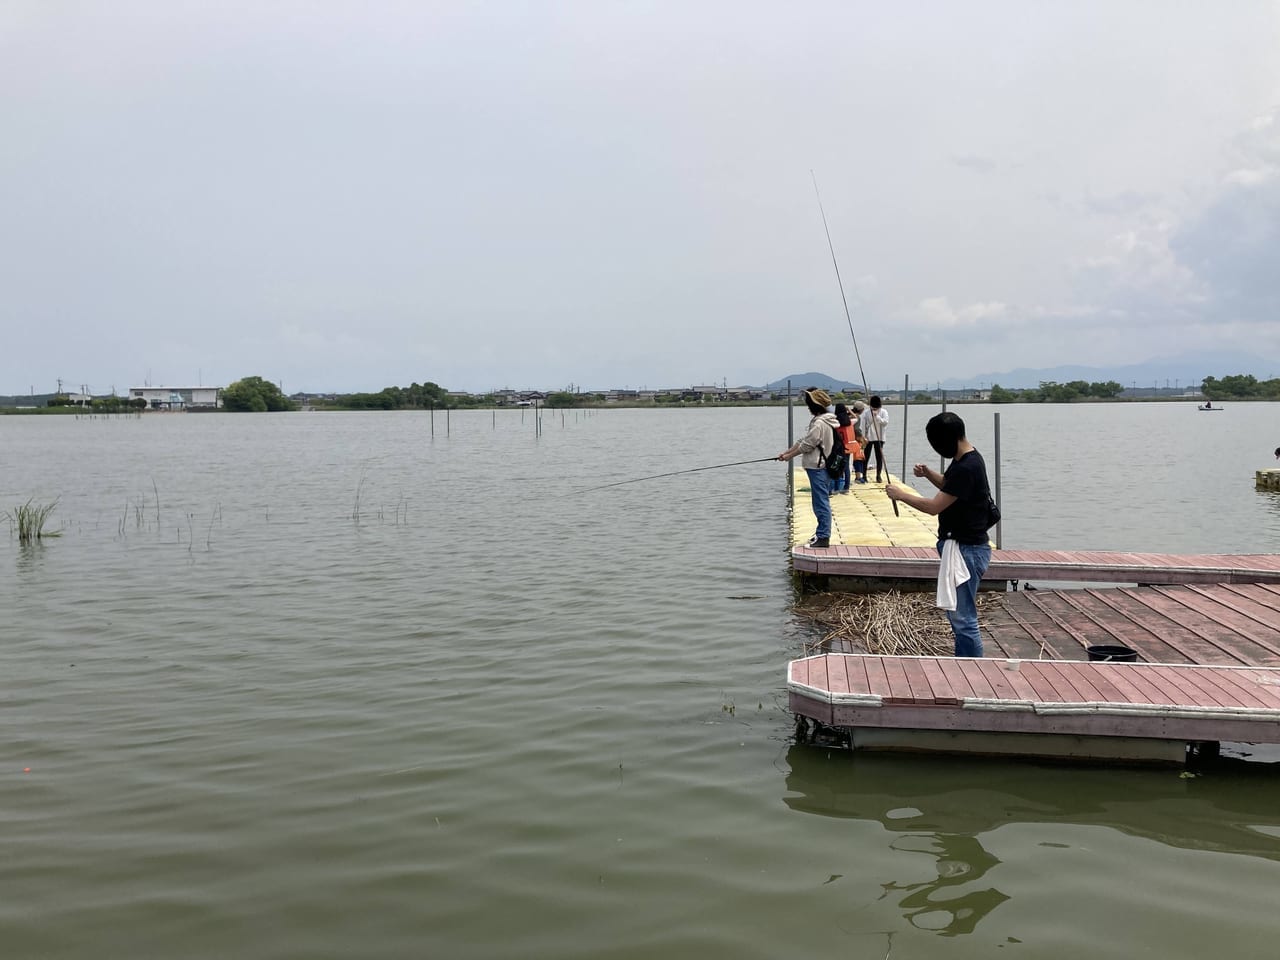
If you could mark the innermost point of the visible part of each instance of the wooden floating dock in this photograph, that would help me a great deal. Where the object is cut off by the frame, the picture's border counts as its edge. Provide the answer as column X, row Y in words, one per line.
column 1267, row 479
column 1206, row 629
column 1068, row 708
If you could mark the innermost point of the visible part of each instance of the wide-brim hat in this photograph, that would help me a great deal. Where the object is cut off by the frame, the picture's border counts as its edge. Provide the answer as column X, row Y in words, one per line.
column 818, row 396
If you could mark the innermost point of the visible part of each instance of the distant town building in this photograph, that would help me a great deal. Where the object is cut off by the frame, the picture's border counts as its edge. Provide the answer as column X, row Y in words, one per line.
column 178, row 398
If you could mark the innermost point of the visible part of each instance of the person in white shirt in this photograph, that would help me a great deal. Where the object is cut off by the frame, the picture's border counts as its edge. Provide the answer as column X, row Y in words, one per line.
column 874, row 425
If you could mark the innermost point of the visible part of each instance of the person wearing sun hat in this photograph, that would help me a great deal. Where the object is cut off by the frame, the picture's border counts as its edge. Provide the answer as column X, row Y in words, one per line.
column 812, row 449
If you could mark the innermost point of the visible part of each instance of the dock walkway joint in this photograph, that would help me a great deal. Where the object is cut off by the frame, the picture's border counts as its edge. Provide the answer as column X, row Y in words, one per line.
column 921, row 563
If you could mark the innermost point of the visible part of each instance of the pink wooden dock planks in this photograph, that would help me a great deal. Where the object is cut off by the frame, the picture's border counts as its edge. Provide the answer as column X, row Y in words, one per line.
column 1090, row 565
column 1163, row 701
column 1217, row 624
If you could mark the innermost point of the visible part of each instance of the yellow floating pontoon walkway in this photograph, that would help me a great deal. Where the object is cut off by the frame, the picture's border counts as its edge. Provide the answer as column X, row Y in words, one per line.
column 862, row 517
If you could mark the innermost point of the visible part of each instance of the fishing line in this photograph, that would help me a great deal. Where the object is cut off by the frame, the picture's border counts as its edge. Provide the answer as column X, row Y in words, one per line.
column 843, row 299
column 848, row 318
column 676, row 473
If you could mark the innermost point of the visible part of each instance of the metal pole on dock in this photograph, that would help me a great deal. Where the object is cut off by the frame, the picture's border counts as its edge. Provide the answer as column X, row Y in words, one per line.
column 1000, row 525
column 495, row 419
column 447, row 430
column 942, row 461
column 791, row 464
column 906, row 389
column 433, row 421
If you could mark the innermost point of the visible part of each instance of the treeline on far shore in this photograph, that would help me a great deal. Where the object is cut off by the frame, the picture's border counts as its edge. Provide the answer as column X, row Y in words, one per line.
column 254, row 394
column 433, row 396
column 1241, row 386
column 63, row 404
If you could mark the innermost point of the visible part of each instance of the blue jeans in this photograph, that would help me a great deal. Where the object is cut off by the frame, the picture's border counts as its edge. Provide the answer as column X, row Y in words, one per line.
column 820, row 491
column 843, row 482
column 964, row 618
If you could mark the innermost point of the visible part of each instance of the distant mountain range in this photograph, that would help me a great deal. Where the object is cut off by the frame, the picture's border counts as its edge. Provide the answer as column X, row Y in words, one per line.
column 1182, row 371
column 27, row 400
column 801, row 380
column 1188, row 370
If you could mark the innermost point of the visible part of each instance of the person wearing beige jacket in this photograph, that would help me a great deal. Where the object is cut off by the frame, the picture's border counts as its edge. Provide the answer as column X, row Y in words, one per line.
column 813, row 449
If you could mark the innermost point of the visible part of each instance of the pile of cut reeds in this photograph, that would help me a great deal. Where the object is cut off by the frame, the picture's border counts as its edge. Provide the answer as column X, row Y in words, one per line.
column 890, row 624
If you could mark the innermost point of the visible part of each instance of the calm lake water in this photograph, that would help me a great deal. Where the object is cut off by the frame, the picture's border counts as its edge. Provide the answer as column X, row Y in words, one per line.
column 497, row 716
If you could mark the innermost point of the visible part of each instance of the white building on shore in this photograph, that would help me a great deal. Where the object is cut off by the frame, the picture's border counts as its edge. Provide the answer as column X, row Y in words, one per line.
column 178, row 398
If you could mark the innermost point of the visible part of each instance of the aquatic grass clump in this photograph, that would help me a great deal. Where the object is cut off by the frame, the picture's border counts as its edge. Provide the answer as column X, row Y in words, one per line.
column 29, row 520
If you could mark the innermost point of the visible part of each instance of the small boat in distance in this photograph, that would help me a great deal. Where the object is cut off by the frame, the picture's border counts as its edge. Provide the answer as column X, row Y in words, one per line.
column 1208, row 407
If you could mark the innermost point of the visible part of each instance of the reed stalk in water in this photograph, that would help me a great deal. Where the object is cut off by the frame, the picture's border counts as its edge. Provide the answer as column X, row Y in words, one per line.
column 29, row 520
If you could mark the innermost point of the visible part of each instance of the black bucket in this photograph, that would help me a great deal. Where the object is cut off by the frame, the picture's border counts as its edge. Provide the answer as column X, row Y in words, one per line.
column 1112, row 652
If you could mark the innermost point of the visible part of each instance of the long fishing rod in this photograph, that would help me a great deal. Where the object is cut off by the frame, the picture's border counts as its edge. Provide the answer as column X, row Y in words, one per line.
column 848, row 318
column 676, row 473
column 831, row 246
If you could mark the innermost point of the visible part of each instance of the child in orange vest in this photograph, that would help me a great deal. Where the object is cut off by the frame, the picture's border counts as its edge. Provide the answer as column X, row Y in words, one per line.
column 845, row 430
column 859, row 458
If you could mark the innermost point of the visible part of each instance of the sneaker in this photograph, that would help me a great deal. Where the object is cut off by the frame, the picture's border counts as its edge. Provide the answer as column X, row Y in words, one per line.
column 817, row 541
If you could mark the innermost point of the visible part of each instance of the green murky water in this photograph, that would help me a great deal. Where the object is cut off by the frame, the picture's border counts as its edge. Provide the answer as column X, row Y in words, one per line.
column 496, row 717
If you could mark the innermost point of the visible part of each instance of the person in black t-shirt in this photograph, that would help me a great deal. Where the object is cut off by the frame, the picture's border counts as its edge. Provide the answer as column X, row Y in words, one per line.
column 961, row 506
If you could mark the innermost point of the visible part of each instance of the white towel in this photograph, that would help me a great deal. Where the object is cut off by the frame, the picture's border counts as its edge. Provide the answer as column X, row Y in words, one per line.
column 952, row 572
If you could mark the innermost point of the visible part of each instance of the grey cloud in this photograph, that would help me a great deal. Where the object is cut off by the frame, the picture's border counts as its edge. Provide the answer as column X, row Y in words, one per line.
column 349, row 195
column 1234, row 247
column 978, row 164
column 1127, row 203
column 1233, row 243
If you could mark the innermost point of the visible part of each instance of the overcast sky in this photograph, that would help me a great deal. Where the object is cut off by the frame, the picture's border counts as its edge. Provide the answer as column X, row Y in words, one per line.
column 344, row 196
